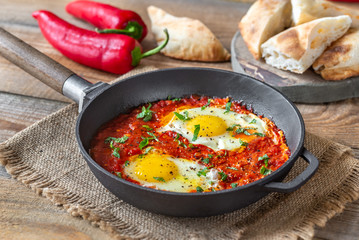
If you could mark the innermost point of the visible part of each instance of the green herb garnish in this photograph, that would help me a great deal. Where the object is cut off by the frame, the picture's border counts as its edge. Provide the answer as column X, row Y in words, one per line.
column 148, row 128
column 233, row 168
column 264, row 158
column 199, row 189
column 203, row 172
column 127, row 163
column 209, row 102
column 234, row 185
column 183, row 117
column 206, row 160
column 146, row 113
column 265, row 171
column 117, row 140
column 148, row 150
column 231, row 128
column 259, row 134
column 191, row 145
column 228, row 107
column 196, row 132
column 160, row 179
column 118, row 174
column 153, row 136
column 223, row 176
column 115, row 152
column 144, row 142
column 243, row 143
column 253, row 121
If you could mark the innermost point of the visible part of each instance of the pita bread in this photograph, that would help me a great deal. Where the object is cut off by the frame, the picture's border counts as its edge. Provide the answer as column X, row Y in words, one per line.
column 341, row 59
column 308, row 10
column 264, row 19
column 297, row 48
column 190, row 39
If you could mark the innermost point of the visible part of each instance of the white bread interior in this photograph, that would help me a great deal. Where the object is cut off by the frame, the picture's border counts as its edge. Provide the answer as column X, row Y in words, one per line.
column 296, row 48
column 264, row 19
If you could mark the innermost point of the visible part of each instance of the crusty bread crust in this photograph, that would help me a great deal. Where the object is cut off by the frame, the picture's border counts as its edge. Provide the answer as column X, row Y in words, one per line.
column 297, row 48
column 341, row 59
column 308, row 10
column 190, row 39
column 264, row 19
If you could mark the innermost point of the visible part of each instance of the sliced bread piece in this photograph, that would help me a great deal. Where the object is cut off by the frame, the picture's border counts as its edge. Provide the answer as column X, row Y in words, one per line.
column 190, row 39
column 341, row 59
column 264, row 19
column 296, row 48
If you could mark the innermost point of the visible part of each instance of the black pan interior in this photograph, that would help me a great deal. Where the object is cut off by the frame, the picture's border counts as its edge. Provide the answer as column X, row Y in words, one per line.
column 180, row 82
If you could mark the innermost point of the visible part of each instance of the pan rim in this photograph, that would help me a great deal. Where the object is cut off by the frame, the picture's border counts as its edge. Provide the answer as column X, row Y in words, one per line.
column 258, row 183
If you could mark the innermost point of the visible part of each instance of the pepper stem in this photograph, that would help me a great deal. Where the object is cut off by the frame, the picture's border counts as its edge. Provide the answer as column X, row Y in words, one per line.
column 132, row 29
column 137, row 55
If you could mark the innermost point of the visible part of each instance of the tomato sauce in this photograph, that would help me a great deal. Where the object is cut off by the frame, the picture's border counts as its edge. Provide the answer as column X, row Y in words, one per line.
column 262, row 155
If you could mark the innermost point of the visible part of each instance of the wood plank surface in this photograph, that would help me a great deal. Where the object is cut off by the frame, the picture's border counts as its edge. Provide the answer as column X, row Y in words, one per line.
column 220, row 17
column 24, row 215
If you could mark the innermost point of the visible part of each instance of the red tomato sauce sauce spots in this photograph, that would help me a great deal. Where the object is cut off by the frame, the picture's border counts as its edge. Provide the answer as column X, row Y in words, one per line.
column 259, row 157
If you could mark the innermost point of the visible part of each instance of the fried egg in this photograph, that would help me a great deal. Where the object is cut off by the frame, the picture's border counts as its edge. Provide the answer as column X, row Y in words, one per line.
column 218, row 128
column 163, row 172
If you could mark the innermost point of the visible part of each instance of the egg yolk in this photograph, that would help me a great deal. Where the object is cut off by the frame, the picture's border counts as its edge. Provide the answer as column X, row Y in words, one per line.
column 210, row 126
column 155, row 168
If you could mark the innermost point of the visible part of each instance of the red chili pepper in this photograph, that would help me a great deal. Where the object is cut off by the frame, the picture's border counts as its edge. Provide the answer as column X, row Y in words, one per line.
column 115, row 53
column 109, row 18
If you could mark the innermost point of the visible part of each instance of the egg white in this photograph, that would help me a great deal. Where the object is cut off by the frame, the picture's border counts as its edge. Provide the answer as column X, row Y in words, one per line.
column 185, row 180
column 224, row 141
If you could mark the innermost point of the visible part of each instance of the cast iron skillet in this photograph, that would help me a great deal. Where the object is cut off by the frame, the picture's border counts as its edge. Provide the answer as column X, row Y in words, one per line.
column 102, row 102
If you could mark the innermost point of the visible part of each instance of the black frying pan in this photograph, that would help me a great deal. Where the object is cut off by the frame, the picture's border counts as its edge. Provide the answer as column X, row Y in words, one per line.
column 101, row 102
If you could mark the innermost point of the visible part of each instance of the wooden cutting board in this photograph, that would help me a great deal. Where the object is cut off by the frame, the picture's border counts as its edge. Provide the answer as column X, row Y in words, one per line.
column 305, row 88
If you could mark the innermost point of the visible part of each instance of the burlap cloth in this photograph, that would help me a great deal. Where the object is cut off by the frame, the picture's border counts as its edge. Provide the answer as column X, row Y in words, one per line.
column 46, row 158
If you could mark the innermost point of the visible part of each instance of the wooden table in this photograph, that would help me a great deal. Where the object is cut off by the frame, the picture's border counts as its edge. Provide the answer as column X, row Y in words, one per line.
column 24, row 100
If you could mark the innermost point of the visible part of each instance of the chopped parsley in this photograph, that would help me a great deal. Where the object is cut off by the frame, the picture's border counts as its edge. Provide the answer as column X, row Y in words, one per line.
column 144, row 142
column 259, row 134
column 160, row 179
column 127, row 163
column 199, row 189
column 118, row 174
column 196, row 131
column 115, row 152
column 183, row 117
column 243, row 143
column 117, row 140
column 206, row 160
column 191, row 145
column 234, row 185
column 265, row 171
column 203, row 172
column 228, row 107
column 153, row 136
column 253, row 121
column 146, row 113
column 233, row 168
column 264, row 158
column 210, row 155
column 148, row 128
column 231, row 128
column 148, row 150
column 223, row 176
column 209, row 102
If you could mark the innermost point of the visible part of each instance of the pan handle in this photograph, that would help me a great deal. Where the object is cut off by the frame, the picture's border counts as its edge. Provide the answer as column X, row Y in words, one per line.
column 41, row 66
column 299, row 181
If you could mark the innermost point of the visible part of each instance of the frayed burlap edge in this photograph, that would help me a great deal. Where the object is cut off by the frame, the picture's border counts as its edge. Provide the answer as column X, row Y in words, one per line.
column 335, row 202
column 73, row 204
